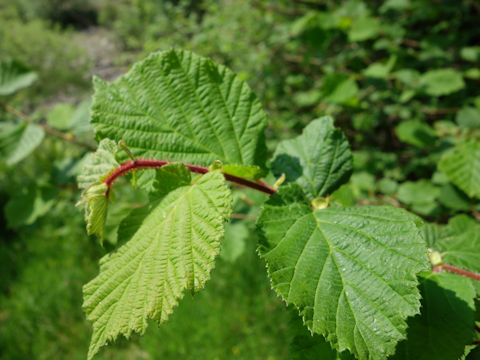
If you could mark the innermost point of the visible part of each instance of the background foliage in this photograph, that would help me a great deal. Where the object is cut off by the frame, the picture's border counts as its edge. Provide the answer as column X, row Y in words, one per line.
column 401, row 78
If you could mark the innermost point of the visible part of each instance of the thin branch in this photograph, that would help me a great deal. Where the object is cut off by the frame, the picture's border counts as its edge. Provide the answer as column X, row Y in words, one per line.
column 48, row 129
column 463, row 272
column 128, row 166
column 244, row 216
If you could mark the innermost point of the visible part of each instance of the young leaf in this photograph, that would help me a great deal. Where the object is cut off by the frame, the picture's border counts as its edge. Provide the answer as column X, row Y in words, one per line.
column 319, row 160
column 96, row 205
column 349, row 271
column 98, row 164
column 179, row 106
column 173, row 250
column 462, row 167
column 446, row 323
column 14, row 76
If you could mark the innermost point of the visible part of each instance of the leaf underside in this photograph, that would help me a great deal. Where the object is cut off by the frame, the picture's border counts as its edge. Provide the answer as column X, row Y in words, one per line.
column 179, row 106
column 351, row 272
column 171, row 251
column 319, row 160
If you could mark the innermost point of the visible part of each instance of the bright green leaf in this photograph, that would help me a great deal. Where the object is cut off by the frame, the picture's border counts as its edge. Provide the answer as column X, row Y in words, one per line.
column 470, row 53
column 179, row 106
column 339, row 89
column 95, row 201
column 379, row 69
column 243, row 171
column 462, row 167
column 363, row 29
column 445, row 325
column 319, row 160
column 442, row 82
column 14, row 76
column 350, row 271
column 173, row 250
column 60, row 116
column 99, row 164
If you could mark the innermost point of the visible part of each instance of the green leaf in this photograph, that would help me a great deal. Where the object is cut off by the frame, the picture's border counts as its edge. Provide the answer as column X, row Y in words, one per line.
column 445, row 325
column 96, row 205
column 380, row 70
column 14, row 76
column 468, row 117
column 29, row 203
column 453, row 198
column 442, row 82
column 243, row 171
column 173, row 250
column 416, row 133
column 17, row 142
column 319, row 160
column 339, row 89
column 179, row 106
column 470, row 53
column 460, row 245
column 60, row 116
column 233, row 245
column 307, row 346
column 462, row 167
column 351, row 272
column 420, row 195
column 99, row 164
column 363, row 29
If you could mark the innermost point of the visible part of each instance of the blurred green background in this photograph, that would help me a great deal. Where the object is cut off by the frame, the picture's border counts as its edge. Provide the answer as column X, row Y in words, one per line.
column 401, row 78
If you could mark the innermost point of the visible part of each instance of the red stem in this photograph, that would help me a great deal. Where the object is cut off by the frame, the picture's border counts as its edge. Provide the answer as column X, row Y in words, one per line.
column 463, row 272
column 146, row 163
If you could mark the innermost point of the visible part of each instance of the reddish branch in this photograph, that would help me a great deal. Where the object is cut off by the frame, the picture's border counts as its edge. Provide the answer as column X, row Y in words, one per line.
column 456, row 270
column 146, row 163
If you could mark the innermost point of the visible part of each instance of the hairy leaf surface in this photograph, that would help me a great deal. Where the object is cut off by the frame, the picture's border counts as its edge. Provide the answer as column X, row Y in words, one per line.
column 445, row 325
column 319, row 160
column 349, row 271
column 179, row 106
column 173, row 250
column 95, row 200
column 462, row 167
column 98, row 164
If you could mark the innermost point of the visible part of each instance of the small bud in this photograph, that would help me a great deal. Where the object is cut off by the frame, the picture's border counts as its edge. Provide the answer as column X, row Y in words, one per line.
column 435, row 257
column 216, row 165
column 279, row 181
column 320, row 203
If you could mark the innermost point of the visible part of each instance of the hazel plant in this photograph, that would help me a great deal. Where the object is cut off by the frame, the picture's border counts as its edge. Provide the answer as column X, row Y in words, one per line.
column 356, row 275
